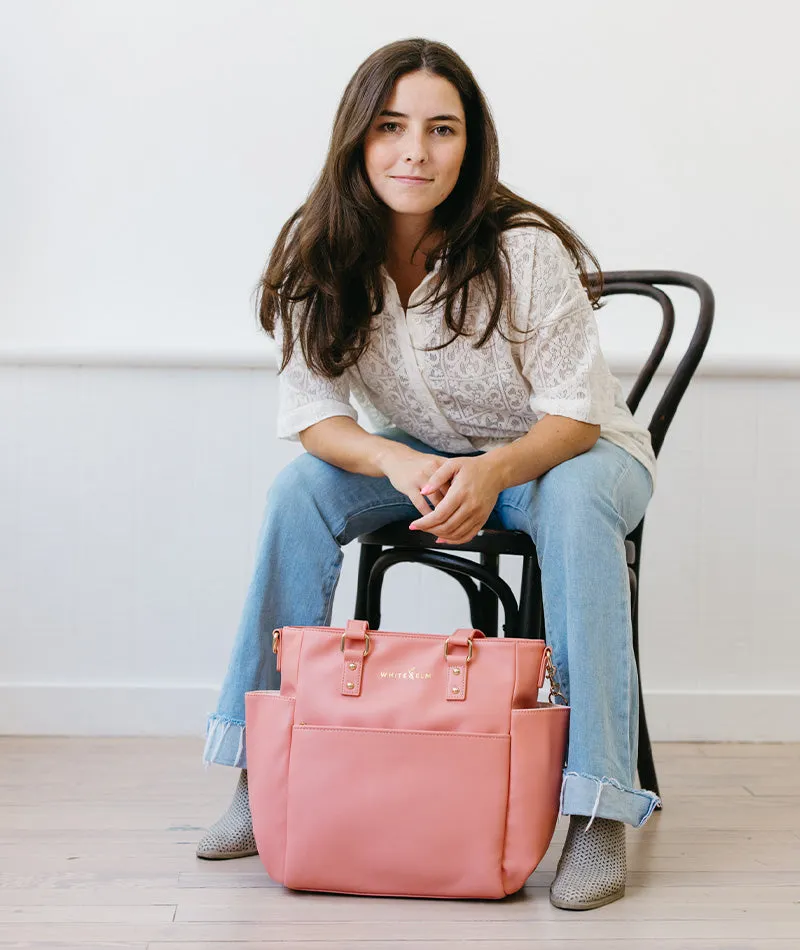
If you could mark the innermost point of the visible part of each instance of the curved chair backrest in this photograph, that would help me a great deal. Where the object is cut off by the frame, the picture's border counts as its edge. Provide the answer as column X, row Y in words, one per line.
column 643, row 283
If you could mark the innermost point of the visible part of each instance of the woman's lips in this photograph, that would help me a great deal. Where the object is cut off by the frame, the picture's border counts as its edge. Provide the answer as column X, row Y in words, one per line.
column 411, row 181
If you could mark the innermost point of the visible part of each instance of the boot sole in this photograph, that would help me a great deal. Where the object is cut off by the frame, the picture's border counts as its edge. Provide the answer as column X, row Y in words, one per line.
column 587, row 905
column 224, row 855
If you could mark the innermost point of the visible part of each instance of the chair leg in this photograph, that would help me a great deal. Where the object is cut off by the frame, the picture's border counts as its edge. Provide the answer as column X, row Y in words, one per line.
column 645, row 765
column 530, row 601
column 369, row 555
column 488, row 598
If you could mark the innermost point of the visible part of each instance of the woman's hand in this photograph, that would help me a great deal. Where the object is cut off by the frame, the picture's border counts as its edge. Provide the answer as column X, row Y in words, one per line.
column 472, row 487
column 408, row 470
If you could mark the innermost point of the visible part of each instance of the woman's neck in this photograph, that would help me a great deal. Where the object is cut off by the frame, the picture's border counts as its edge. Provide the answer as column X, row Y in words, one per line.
column 403, row 237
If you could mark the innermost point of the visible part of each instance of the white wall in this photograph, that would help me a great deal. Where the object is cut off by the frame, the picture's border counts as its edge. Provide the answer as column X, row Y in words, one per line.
column 153, row 149
column 151, row 152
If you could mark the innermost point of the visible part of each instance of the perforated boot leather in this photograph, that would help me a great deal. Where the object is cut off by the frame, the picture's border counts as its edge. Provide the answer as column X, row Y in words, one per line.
column 593, row 867
column 232, row 835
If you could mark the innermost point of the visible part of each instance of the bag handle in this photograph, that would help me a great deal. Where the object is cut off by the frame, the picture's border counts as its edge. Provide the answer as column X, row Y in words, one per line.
column 469, row 633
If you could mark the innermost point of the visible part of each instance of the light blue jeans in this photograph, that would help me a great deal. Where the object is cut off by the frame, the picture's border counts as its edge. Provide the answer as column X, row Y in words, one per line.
column 577, row 514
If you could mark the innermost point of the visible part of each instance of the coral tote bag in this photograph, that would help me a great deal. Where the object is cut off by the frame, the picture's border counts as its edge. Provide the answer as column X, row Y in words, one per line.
column 404, row 764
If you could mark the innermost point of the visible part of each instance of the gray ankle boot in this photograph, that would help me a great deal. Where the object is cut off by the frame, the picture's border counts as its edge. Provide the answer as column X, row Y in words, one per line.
column 232, row 835
column 592, row 868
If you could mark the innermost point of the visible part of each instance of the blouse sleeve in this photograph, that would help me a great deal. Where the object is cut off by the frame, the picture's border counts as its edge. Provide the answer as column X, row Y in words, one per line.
column 305, row 398
column 561, row 357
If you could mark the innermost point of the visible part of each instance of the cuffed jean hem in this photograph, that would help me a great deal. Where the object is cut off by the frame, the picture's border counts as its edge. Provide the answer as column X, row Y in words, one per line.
column 605, row 798
column 225, row 742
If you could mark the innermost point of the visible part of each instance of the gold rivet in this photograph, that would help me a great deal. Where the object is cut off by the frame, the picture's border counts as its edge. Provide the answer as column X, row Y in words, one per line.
column 351, row 666
column 456, row 690
column 456, row 671
column 351, row 685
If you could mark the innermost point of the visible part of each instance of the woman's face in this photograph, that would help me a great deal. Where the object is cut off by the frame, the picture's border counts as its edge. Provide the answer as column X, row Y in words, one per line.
column 421, row 132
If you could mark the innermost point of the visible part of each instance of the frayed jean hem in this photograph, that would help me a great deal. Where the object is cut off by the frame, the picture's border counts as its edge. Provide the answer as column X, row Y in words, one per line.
column 225, row 742
column 605, row 798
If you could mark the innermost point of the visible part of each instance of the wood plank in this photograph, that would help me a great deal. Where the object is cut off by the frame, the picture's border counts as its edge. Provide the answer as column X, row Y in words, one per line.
column 120, row 914
column 122, row 896
column 524, row 943
column 577, row 940
column 70, row 946
column 588, row 926
column 786, row 751
column 526, row 907
column 567, row 941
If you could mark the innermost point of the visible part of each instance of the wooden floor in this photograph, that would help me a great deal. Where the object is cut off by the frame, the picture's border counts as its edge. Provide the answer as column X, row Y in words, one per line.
column 97, row 840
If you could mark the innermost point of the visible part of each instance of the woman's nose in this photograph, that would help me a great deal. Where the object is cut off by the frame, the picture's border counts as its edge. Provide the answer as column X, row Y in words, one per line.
column 415, row 150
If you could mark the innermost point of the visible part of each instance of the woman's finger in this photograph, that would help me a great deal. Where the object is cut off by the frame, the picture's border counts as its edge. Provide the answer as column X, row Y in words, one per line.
column 454, row 526
column 434, row 497
column 441, row 476
column 433, row 519
column 419, row 501
column 461, row 537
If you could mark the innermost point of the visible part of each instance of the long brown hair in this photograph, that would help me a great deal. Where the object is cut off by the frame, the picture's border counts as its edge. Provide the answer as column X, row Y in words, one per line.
column 328, row 254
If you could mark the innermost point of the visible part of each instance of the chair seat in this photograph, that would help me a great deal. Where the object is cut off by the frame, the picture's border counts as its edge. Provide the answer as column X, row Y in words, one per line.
column 485, row 542
column 397, row 535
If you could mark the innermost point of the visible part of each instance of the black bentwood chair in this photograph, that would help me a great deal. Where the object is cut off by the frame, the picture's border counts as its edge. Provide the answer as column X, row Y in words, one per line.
column 394, row 543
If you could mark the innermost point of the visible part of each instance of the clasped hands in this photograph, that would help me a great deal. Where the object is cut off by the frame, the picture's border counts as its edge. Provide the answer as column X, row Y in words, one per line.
column 463, row 491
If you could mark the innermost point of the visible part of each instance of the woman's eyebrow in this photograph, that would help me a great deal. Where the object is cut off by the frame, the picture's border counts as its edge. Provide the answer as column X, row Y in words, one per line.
column 433, row 118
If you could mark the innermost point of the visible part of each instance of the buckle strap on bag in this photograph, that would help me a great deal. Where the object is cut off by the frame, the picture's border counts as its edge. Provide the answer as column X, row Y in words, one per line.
column 457, row 663
column 355, row 647
column 552, row 675
column 276, row 647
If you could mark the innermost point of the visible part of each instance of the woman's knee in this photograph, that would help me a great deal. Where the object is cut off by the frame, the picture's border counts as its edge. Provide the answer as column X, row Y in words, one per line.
column 302, row 480
column 582, row 488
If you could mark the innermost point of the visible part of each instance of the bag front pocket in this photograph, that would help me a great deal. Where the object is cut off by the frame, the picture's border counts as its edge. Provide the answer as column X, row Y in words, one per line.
column 392, row 812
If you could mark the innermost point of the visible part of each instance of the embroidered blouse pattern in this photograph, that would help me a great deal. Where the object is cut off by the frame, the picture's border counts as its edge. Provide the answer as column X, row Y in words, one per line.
column 459, row 399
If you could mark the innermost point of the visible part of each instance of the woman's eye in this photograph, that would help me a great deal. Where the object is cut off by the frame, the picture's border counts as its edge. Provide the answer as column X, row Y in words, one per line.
column 385, row 128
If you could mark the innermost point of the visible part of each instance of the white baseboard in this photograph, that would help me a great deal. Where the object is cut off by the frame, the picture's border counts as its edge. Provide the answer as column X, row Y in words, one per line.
column 87, row 709
column 723, row 716
column 32, row 709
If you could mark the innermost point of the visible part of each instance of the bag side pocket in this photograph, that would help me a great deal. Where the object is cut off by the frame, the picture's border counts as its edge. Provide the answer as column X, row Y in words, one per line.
column 269, row 720
column 538, row 749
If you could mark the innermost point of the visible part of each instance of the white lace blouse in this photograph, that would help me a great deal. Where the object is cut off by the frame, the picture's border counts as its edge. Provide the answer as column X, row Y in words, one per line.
column 460, row 399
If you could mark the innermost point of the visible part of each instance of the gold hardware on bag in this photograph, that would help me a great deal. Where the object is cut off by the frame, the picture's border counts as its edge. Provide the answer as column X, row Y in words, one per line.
column 411, row 674
column 366, row 641
column 555, row 688
column 469, row 648
column 276, row 636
